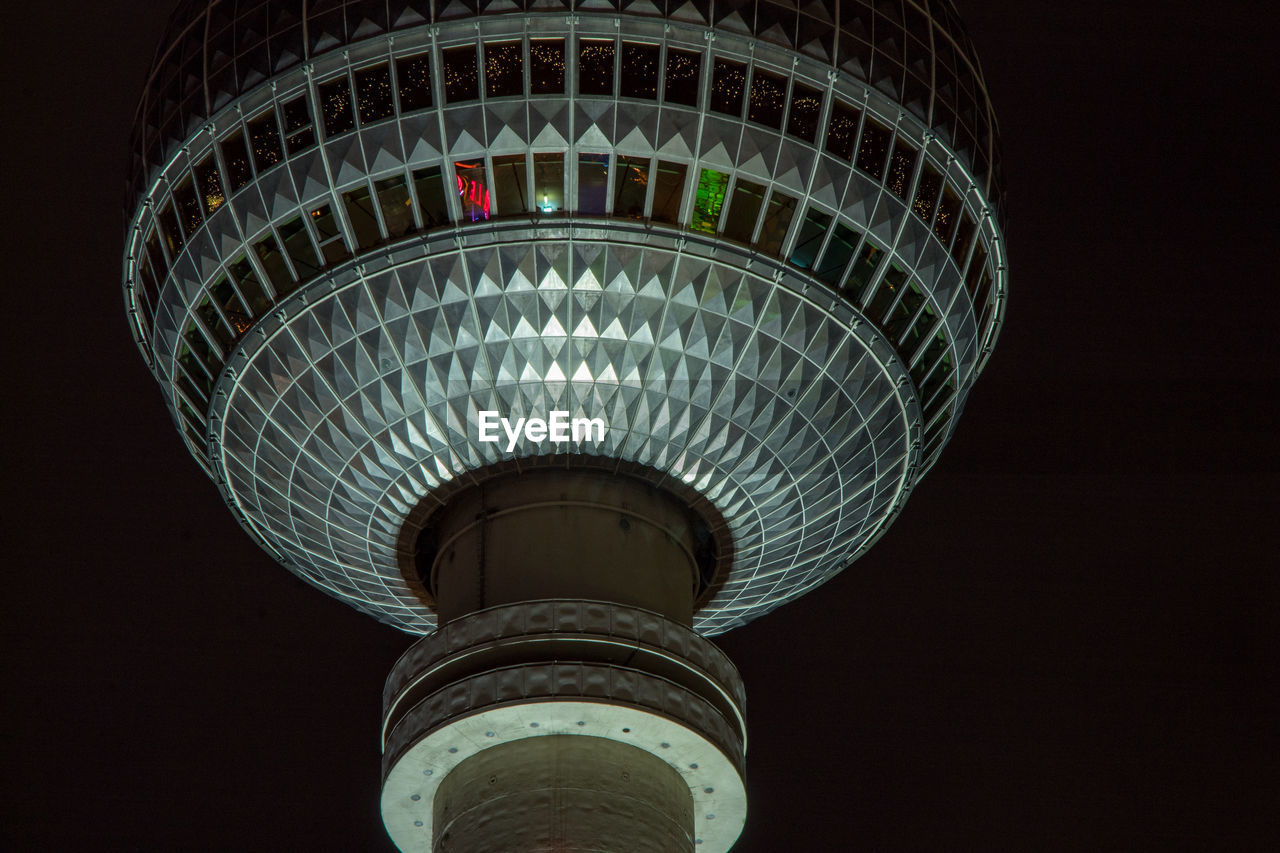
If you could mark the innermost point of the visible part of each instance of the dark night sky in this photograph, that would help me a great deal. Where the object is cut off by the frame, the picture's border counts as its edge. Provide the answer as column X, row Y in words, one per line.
column 1066, row 642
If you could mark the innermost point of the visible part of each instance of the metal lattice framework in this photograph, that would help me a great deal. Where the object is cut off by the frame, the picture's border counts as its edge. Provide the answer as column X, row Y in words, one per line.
column 327, row 321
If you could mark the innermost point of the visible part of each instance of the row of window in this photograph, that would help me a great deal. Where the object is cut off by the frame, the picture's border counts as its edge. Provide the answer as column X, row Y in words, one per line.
column 522, row 185
column 298, row 249
column 378, row 92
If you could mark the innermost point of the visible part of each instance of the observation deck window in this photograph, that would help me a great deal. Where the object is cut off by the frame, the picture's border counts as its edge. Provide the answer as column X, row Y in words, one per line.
column 236, row 158
column 632, row 184
column 432, row 202
column 268, row 252
column 461, row 78
column 593, row 182
column 683, row 72
column 546, row 67
column 193, row 424
column 236, row 312
column 264, row 139
column 890, row 287
column 830, row 267
column 873, row 148
column 145, row 318
column 173, row 238
column 901, row 167
column 924, row 323
column 639, row 78
column 195, row 368
column 806, row 110
column 192, row 391
column 768, row 98
column 299, row 132
column 668, row 191
column 328, row 235
column 184, row 197
column 976, row 266
column 511, row 184
column 548, row 182
column 150, row 292
column 373, row 93
column 809, row 241
column 364, row 222
column 744, row 209
column 777, row 220
column 842, row 131
column 929, row 357
column 984, row 293
column 964, row 237
column 194, row 338
column 503, row 69
column 297, row 244
column 209, row 184
column 156, row 256
column 472, row 185
column 413, row 82
column 728, row 81
column 335, row 106
column 927, row 193
column 251, row 290
column 396, row 206
column 908, row 304
column 863, row 269
column 214, row 323
column 939, row 387
column 595, row 67
column 944, row 223
column 708, row 200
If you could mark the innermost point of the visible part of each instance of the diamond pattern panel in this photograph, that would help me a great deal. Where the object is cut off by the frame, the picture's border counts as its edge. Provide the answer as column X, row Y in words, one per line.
column 369, row 398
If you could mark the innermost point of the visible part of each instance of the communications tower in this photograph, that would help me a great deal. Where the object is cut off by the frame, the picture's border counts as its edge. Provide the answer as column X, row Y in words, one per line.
column 565, row 334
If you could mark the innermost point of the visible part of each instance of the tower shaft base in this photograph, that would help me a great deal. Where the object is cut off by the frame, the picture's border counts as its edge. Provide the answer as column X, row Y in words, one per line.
column 563, row 794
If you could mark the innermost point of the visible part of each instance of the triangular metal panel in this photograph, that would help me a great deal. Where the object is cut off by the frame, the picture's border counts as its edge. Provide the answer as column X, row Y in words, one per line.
column 382, row 149
column 309, row 174
column 860, row 199
column 794, row 165
column 593, row 123
column 507, row 120
column 464, row 130
column 677, row 133
column 829, row 179
column 346, row 159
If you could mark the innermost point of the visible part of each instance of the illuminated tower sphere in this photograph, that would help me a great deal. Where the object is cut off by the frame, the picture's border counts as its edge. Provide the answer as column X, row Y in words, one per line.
column 565, row 333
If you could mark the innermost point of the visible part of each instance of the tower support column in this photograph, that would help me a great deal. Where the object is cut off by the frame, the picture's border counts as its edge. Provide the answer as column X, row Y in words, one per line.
column 635, row 692
column 565, row 794
column 564, row 704
column 563, row 533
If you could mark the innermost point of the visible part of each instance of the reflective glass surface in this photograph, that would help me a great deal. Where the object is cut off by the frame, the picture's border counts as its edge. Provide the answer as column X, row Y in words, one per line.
column 335, row 106
column 639, row 71
column 546, row 66
column 595, row 67
column 503, row 69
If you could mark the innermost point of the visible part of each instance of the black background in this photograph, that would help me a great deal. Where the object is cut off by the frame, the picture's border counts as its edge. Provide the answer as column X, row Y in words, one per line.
column 1065, row 642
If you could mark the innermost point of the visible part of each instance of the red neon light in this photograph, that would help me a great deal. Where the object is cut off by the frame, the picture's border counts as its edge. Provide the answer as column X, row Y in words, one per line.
column 477, row 194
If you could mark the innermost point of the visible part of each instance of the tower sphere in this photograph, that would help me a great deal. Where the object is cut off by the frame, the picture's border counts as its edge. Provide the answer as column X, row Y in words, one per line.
column 757, row 245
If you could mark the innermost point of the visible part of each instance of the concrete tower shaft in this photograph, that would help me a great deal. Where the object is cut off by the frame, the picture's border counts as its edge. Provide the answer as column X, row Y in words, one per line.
column 564, row 704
